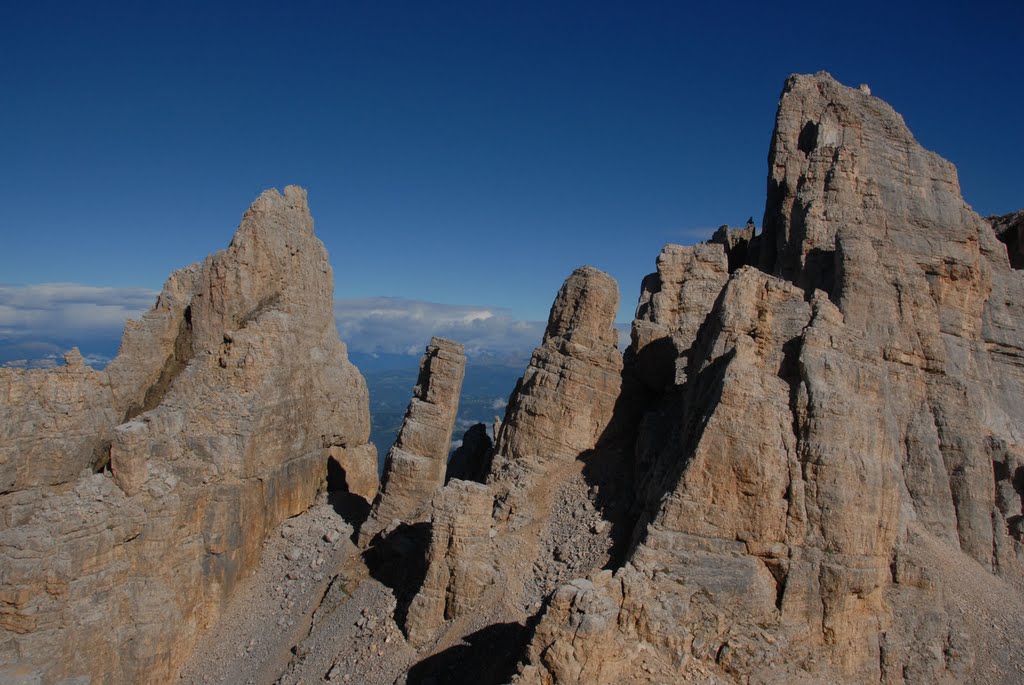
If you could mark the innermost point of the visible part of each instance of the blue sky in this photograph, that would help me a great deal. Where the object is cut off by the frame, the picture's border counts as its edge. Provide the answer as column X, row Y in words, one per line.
column 462, row 154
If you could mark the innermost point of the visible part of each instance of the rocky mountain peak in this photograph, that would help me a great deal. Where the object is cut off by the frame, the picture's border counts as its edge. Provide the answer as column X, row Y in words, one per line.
column 584, row 310
column 163, row 474
column 807, row 467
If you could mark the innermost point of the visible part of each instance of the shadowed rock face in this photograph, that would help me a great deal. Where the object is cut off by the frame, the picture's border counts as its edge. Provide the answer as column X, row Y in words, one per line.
column 417, row 462
column 215, row 418
column 830, row 424
column 472, row 459
column 1009, row 229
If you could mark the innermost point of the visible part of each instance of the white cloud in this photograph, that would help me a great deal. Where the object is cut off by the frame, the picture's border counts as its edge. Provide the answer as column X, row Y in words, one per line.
column 49, row 310
column 41, row 363
column 499, row 403
column 39, row 323
column 624, row 331
column 397, row 325
column 97, row 361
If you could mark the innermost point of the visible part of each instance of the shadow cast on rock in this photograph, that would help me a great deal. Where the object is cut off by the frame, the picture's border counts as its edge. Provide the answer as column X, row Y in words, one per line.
column 647, row 447
column 398, row 559
column 487, row 657
column 610, row 469
column 349, row 506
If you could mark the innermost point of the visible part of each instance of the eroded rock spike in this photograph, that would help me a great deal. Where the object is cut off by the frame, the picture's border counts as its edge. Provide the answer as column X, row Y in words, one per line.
column 416, row 464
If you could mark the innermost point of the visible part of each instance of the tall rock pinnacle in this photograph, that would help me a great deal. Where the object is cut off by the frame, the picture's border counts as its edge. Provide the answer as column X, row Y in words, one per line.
column 417, row 462
column 564, row 401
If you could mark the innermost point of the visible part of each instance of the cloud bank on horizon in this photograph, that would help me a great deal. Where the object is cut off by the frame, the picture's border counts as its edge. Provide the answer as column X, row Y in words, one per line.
column 395, row 325
column 38, row 323
column 60, row 310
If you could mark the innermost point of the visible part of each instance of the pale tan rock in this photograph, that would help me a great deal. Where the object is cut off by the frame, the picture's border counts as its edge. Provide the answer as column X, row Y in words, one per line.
column 216, row 415
column 415, row 466
column 479, row 565
column 818, row 482
column 564, row 401
column 483, row 565
column 563, row 405
column 460, row 559
column 128, row 456
column 674, row 302
column 359, row 464
column 53, row 424
column 826, row 476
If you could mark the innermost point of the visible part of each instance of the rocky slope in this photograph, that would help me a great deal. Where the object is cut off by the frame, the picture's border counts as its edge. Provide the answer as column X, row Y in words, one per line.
column 135, row 499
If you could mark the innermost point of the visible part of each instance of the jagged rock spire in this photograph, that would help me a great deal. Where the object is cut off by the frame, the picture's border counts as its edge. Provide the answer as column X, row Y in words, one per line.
column 416, row 464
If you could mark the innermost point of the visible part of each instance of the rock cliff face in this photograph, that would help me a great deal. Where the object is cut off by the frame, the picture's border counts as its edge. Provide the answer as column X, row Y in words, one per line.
column 459, row 560
column 482, row 558
column 571, row 384
column 834, row 419
column 134, row 499
column 560, row 409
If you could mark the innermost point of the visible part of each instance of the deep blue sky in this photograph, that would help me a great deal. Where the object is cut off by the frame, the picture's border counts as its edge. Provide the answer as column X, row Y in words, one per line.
column 468, row 153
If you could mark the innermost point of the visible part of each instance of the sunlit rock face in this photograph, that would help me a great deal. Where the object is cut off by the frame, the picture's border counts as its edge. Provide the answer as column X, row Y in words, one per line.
column 135, row 498
column 807, row 467
column 817, row 478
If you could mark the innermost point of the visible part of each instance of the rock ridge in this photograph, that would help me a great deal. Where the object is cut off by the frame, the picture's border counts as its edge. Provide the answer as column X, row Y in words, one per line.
column 807, row 466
